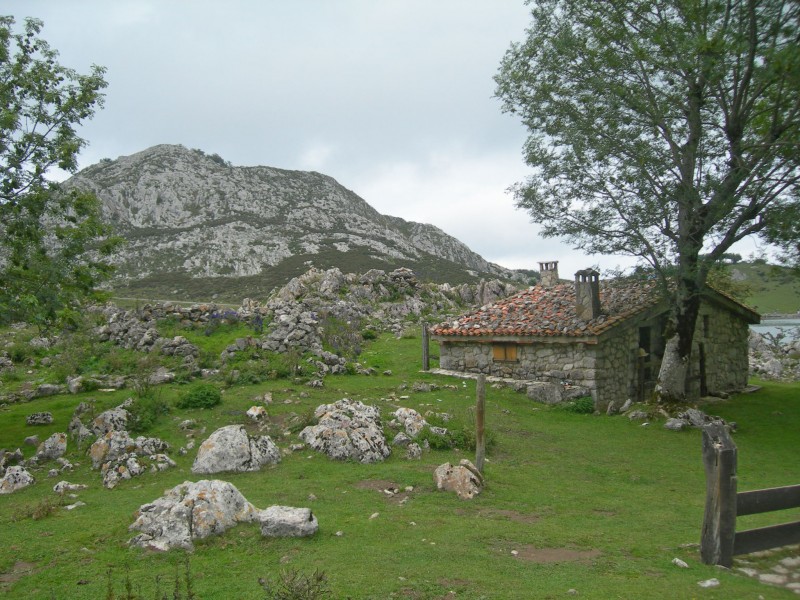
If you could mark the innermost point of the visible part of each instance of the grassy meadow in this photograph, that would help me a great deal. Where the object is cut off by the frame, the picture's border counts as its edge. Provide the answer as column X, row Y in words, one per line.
column 579, row 504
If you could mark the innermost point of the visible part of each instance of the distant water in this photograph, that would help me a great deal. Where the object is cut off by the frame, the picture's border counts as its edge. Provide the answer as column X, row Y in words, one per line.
column 791, row 327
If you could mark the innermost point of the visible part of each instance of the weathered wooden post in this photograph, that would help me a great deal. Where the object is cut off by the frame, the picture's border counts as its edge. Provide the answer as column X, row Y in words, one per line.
column 719, row 521
column 480, row 434
column 426, row 362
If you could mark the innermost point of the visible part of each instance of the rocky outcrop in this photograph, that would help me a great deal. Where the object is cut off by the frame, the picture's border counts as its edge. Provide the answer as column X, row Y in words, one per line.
column 348, row 430
column 188, row 512
column 231, row 449
column 197, row 510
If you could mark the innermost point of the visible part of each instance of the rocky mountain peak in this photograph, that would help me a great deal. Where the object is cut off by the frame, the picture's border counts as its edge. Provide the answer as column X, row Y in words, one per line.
column 188, row 215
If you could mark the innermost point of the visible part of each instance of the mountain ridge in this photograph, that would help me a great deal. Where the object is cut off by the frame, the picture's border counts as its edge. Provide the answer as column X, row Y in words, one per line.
column 188, row 215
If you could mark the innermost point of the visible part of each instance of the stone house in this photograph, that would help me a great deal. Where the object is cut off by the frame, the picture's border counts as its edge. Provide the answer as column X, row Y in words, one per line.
column 604, row 337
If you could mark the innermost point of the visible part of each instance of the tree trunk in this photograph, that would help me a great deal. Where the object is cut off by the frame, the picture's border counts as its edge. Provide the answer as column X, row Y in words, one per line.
column 673, row 377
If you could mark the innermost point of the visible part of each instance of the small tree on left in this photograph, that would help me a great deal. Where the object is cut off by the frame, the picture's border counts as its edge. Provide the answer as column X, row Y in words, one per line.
column 53, row 244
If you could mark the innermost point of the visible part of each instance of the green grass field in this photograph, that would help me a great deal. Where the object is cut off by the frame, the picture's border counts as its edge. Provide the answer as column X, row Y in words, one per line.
column 594, row 504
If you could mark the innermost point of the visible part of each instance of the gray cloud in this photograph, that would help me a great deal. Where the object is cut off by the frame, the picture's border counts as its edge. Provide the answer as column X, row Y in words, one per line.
column 391, row 98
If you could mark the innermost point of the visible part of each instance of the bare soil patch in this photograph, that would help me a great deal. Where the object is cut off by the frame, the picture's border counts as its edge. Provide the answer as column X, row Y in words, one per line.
column 18, row 571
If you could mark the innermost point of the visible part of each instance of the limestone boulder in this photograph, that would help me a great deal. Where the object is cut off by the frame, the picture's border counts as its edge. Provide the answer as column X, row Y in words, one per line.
column 464, row 479
column 115, row 419
column 230, row 448
column 411, row 420
column 52, row 448
column 190, row 511
column 547, row 393
column 15, row 478
column 111, row 446
column 348, row 430
column 287, row 521
column 39, row 418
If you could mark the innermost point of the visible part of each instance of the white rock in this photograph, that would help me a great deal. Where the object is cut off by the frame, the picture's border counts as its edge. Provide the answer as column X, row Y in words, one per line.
column 189, row 511
column 679, row 563
column 231, row 449
column 287, row 521
column 15, row 479
column 709, row 583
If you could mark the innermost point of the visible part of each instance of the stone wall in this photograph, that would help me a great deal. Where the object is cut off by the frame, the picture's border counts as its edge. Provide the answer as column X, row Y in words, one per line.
column 724, row 338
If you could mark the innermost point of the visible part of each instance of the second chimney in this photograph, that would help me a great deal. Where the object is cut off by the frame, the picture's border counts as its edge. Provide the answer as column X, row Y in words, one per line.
column 548, row 274
column 587, row 294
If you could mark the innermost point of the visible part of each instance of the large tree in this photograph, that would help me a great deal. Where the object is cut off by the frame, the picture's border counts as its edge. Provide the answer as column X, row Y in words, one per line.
column 52, row 243
column 667, row 130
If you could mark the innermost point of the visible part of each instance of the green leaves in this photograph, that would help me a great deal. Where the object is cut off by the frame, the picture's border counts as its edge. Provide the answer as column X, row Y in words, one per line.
column 53, row 244
column 660, row 128
column 43, row 103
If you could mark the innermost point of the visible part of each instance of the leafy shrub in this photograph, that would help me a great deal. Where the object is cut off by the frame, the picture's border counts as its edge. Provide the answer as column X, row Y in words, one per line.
column 144, row 412
column 202, row 395
column 369, row 334
column 581, row 406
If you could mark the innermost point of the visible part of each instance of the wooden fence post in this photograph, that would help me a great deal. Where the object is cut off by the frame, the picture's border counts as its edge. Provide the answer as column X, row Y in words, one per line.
column 719, row 520
column 426, row 362
column 480, row 434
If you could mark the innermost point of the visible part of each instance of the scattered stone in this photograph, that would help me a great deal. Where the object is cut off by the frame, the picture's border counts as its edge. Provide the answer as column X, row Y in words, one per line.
column 709, row 583
column 15, row 478
column 32, row 440
column 413, row 452
column 131, row 465
column 231, row 449
column 77, row 504
column 675, row 424
column 39, row 418
column 52, row 448
column 286, row 521
column 401, row 440
column 62, row 487
column 187, row 424
column 638, row 415
column 48, row 389
column 257, row 413
column 78, row 431
column 679, row 563
column 348, row 430
column 411, row 420
column 189, row 511
column 464, row 479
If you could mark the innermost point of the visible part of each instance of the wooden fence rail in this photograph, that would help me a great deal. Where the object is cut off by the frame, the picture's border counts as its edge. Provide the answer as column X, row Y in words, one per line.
column 720, row 541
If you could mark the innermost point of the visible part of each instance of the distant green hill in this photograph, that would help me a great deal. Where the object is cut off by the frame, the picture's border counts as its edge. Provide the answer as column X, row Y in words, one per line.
column 773, row 289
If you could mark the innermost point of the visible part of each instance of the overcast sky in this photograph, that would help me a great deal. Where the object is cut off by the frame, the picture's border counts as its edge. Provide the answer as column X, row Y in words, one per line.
column 392, row 98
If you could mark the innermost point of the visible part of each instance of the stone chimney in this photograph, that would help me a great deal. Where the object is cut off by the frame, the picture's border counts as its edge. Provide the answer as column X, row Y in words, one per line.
column 587, row 294
column 548, row 273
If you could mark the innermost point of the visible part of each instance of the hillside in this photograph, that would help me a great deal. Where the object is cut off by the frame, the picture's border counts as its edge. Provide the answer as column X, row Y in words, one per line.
column 772, row 289
column 197, row 226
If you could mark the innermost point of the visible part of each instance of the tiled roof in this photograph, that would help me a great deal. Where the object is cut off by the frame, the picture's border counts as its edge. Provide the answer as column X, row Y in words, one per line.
column 540, row 311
